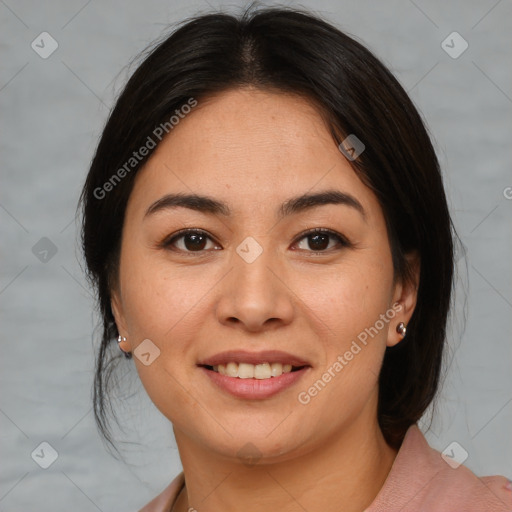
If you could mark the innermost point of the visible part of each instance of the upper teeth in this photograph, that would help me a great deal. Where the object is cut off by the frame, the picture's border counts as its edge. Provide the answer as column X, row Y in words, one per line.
column 253, row 371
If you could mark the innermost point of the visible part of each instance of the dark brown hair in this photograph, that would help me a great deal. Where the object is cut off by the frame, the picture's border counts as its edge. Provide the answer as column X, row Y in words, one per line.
column 291, row 51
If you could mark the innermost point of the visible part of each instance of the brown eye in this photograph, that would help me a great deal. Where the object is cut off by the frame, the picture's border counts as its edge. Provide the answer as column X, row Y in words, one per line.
column 320, row 240
column 191, row 240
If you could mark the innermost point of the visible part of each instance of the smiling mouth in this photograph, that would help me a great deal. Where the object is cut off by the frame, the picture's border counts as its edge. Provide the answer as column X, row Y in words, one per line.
column 253, row 371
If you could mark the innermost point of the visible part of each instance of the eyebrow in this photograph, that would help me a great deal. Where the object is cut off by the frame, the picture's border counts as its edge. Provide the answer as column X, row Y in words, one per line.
column 295, row 205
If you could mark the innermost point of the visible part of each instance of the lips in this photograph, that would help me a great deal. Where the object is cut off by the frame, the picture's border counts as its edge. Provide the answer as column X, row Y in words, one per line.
column 254, row 375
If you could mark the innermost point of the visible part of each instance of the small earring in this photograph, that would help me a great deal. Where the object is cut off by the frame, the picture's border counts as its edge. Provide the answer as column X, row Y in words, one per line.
column 119, row 340
column 401, row 329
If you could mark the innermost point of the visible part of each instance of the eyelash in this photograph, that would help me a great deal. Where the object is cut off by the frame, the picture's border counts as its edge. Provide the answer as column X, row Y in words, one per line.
column 168, row 242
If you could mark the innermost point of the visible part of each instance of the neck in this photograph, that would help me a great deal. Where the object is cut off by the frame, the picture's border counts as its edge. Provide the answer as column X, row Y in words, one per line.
column 345, row 473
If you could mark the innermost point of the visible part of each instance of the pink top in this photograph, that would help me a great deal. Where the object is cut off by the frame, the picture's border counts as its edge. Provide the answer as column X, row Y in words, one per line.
column 419, row 480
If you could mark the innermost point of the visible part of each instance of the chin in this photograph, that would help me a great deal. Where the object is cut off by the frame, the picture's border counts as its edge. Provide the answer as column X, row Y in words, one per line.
column 251, row 447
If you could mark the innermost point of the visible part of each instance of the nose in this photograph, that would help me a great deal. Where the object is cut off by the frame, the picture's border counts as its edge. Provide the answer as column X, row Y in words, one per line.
column 254, row 295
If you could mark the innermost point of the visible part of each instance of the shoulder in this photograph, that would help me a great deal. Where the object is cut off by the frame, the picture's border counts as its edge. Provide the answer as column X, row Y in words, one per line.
column 165, row 500
column 421, row 478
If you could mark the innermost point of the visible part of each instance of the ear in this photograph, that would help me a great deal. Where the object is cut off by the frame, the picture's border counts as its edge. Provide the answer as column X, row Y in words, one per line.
column 119, row 317
column 405, row 295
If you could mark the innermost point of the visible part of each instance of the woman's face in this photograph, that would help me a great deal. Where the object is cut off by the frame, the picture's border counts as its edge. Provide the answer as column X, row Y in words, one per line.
column 253, row 280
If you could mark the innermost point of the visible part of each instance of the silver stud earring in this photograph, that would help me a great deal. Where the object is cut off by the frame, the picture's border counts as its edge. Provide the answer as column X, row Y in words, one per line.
column 401, row 329
column 119, row 340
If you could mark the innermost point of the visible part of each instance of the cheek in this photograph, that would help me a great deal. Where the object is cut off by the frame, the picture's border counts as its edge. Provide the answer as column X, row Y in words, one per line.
column 350, row 298
column 350, row 303
column 160, row 303
column 158, row 296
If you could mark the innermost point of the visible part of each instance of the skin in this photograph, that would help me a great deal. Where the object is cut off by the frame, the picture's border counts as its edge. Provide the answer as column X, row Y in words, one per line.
column 254, row 150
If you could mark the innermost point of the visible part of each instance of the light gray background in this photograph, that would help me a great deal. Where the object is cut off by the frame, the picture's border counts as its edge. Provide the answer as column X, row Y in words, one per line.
column 53, row 111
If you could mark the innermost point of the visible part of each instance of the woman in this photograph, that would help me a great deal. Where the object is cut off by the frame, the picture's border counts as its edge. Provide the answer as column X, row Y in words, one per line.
column 266, row 226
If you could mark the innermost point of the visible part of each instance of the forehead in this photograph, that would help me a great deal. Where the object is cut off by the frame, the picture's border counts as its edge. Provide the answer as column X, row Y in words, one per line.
column 249, row 148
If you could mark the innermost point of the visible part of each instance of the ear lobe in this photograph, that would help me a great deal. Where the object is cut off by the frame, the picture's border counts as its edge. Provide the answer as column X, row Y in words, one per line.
column 406, row 295
column 117, row 311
